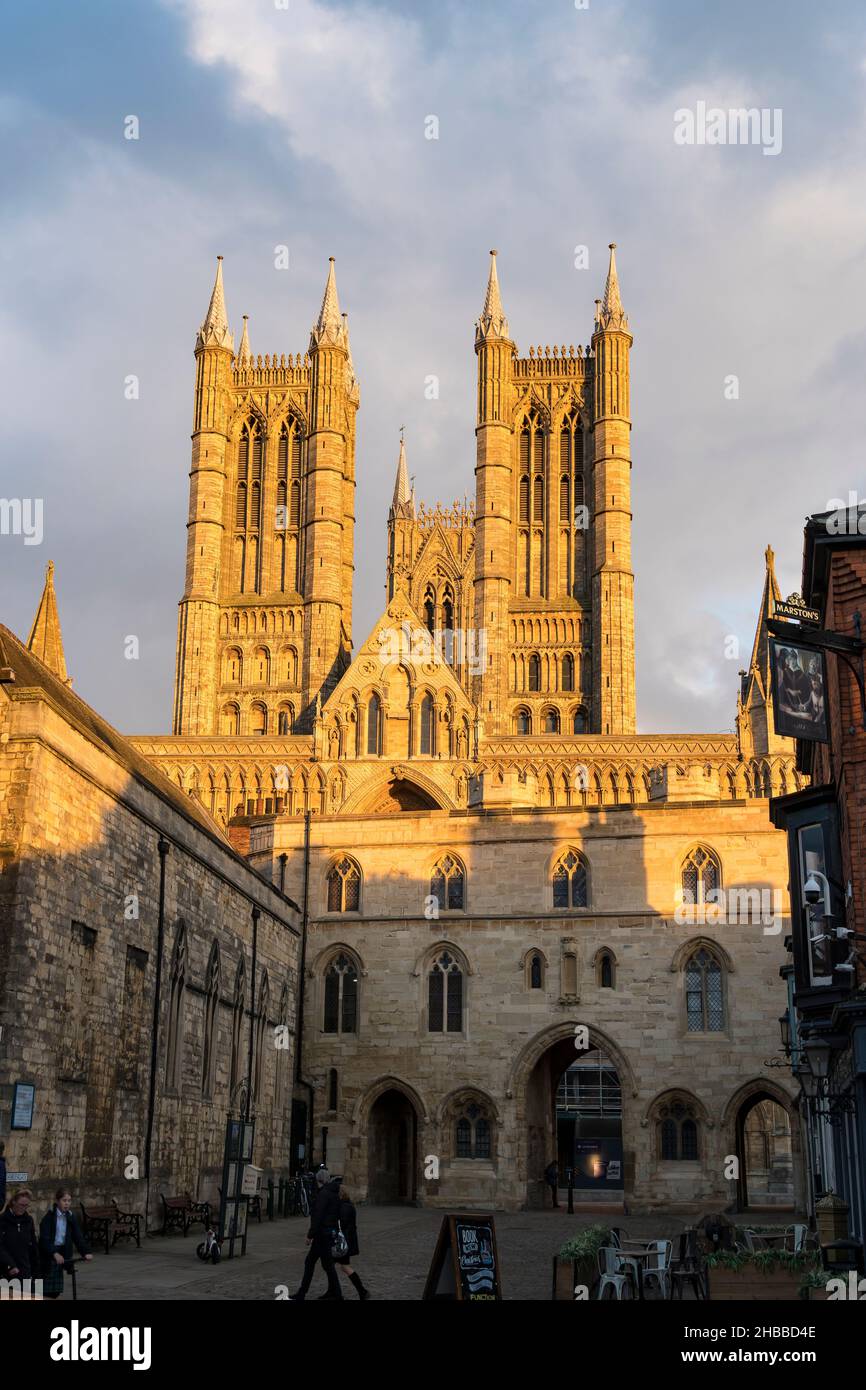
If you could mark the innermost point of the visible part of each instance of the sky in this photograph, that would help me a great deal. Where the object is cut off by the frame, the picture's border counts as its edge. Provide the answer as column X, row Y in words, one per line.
column 304, row 123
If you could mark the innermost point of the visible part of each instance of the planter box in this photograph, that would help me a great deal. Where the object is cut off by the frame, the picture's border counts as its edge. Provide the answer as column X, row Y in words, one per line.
column 567, row 1273
column 779, row 1285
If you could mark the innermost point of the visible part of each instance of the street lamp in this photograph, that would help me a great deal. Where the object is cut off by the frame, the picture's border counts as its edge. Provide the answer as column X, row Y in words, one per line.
column 785, row 1030
column 817, row 1051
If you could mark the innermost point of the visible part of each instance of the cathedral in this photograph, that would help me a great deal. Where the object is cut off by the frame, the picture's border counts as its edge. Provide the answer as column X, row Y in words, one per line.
column 518, row 936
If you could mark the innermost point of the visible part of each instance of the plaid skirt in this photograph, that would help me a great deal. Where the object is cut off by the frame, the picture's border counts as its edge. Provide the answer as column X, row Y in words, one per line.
column 52, row 1277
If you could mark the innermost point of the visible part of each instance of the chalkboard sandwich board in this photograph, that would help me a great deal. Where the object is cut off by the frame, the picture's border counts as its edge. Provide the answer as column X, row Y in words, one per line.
column 465, row 1263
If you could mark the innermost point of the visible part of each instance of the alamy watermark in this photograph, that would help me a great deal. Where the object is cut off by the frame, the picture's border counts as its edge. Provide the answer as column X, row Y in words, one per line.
column 731, row 907
column 449, row 646
column 737, row 126
column 22, row 516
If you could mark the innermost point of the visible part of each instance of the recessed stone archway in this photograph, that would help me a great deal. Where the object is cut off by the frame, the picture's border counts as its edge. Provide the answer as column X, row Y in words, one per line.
column 532, row 1085
column 388, row 1123
column 771, row 1189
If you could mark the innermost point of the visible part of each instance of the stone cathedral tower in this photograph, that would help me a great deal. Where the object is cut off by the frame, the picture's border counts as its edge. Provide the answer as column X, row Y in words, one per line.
column 554, row 591
column 265, row 620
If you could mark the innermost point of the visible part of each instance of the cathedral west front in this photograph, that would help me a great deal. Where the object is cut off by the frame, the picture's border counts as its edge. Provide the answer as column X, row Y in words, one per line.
column 517, row 937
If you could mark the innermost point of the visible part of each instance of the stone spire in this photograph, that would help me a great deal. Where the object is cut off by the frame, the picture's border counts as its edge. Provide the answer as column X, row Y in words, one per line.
column 611, row 313
column 329, row 327
column 760, row 662
column 353, row 386
column 244, row 354
column 492, row 323
column 46, row 640
column 403, row 503
column 215, row 332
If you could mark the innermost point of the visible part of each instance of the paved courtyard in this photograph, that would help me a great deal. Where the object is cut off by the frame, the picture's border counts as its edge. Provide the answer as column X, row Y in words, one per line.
column 396, row 1243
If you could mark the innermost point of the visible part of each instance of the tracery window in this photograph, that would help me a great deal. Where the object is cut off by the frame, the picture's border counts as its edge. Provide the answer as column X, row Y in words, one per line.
column 472, row 1133
column 705, row 999
column 341, row 997
column 344, row 886
column 570, row 881
column 701, row 875
column 445, row 995
column 448, row 884
column 677, row 1132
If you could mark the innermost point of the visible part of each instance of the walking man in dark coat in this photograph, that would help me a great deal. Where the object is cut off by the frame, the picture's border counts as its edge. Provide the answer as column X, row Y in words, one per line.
column 320, row 1237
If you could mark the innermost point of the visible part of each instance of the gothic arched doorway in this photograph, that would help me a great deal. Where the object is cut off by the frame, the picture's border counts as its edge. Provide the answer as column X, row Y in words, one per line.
column 391, row 1149
column 574, row 1114
column 765, row 1153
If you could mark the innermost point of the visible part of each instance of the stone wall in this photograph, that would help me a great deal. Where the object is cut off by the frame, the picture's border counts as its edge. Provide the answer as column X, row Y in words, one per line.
column 79, row 911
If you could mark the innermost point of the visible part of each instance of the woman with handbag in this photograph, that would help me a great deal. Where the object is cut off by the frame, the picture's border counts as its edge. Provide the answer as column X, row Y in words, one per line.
column 59, row 1237
column 348, row 1229
column 324, row 1220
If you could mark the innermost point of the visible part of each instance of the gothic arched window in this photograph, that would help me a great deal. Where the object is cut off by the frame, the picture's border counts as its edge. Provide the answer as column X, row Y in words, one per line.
column 551, row 721
column 522, row 722
column 209, row 1048
column 564, row 508
column 568, row 671
column 445, row 996
column 523, row 511
column 535, row 672
column 427, row 725
column 344, row 886
column 605, row 971
column 472, row 1133
column 259, row 1062
column 374, row 722
column 341, row 997
column 705, row 998
column 677, row 1131
column 237, row 1025
column 570, row 881
column 536, row 971
column 448, row 883
column 174, row 1048
column 701, row 876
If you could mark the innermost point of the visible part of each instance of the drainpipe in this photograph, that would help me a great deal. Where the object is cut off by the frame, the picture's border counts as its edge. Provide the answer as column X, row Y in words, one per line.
column 162, row 848
column 283, row 858
column 256, row 914
column 302, row 978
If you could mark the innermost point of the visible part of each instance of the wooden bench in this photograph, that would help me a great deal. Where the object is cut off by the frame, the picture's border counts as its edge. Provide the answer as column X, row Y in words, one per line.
column 107, row 1225
column 127, row 1225
column 183, row 1212
column 98, row 1224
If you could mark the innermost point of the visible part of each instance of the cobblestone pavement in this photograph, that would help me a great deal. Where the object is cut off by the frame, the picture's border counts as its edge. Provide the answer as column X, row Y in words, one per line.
column 396, row 1243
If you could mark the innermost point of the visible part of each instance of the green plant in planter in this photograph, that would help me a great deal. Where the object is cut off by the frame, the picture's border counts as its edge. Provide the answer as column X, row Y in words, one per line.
column 586, row 1244
column 815, row 1279
column 766, row 1260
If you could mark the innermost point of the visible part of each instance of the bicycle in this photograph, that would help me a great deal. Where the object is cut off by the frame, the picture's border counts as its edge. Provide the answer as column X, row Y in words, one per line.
column 301, row 1196
column 211, row 1247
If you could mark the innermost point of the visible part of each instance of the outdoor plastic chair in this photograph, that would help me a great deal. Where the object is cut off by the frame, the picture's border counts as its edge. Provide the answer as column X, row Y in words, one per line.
column 610, row 1272
column 688, row 1267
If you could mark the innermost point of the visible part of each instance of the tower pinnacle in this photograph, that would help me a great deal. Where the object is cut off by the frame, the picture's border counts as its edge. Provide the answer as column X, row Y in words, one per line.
column 244, row 354
column 492, row 323
column 215, row 331
column 611, row 313
column 329, row 327
column 46, row 640
column 402, row 502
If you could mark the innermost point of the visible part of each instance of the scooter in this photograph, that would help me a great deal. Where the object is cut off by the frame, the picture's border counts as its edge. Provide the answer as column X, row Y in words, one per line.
column 211, row 1247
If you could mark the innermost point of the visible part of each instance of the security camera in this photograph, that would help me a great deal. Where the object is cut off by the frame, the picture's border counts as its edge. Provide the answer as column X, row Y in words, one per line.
column 812, row 890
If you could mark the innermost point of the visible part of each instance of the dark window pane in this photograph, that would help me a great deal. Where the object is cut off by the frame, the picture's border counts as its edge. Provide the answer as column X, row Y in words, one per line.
column 350, row 1002
column 606, row 973
column 535, row 973
column 669, row 1139
column 455, row 1001
column 689, row 1136
column 334, row 893
column 578, row 887
column 464, row 1138
column 455, row 890
column 332, row 1089
column 332, row 1000
column 482, row 1139
column 437, row 887
column 435, row 1006
column 353, row 890
column 715, row 1002
column 560, row 888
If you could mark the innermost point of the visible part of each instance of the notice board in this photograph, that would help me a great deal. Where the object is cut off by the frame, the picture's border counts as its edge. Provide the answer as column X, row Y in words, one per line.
column 465, row 1264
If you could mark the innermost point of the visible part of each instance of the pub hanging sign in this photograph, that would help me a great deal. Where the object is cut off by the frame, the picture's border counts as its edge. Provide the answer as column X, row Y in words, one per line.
column 793, row 607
